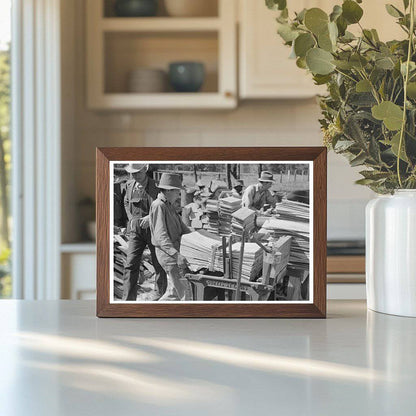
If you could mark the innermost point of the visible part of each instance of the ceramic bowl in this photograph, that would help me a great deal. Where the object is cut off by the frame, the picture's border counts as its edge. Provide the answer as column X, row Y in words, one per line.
column 135, row 8
column 186, row 76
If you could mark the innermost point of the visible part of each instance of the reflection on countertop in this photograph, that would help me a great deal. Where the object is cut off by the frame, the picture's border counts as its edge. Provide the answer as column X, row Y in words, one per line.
column 63, row 360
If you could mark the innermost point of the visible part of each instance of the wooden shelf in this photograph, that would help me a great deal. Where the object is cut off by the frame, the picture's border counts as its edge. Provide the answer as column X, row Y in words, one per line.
column 159, row 24
column 163, row 101
column 346, row 264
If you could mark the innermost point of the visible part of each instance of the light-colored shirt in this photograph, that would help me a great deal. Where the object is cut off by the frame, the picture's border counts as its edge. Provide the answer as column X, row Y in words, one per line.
column 256, row 198
column 166, row 226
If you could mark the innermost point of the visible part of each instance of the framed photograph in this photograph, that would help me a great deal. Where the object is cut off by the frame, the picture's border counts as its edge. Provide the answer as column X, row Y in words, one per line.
column 211, row 232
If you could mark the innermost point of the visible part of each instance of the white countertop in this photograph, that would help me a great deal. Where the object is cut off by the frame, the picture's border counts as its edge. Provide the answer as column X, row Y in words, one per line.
column 56, row 358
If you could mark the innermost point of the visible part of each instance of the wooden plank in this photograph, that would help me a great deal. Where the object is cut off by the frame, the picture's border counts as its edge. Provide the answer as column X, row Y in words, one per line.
column 346, row 264
column 159, row 24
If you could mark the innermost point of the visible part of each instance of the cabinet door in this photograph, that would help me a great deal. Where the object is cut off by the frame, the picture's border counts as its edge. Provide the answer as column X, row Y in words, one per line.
column 265, row 68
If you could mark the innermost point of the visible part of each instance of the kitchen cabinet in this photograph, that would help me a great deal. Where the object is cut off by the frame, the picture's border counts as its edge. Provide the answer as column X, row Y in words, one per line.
column 265, row 70
column 116, row 46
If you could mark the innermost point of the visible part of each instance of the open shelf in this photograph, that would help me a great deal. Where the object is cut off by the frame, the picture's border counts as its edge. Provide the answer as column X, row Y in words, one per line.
column 127, row 51
column 116, row 46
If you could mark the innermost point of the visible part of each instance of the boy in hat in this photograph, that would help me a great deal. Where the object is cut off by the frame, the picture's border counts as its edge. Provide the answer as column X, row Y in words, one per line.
column 238, row 188
column 167, row 229
column 141, row 191
column 193, row 213
column 258, row 195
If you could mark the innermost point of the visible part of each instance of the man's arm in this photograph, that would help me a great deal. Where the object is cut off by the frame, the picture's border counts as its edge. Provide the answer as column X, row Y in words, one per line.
column 247, row 199
column 271, row 199
column 159, row 230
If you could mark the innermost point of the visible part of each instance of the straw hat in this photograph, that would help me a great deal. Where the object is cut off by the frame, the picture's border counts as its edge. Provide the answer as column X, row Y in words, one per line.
column 137, row 167
column 266, row 176
column 170, row 181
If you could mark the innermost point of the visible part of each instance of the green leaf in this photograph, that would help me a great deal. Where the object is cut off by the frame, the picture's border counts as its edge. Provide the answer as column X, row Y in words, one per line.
column 394, row 145
column 286, row 32
column 336, row 12
column 321, row 79
column 303, row 43
column 393, row 11
column 324, row 42
column 385, row 63
column 301, row 63
column 343, row 145
column 411, row 90
column 406, row 4
column 343, row 65
column 375, row 35
column 351, row 11
column 276, row 4
column 319, row 61
column 342, row 25
column 363, row 86
column 364, row 181
column 390, row 113
column 316, row 20
column 358, row 160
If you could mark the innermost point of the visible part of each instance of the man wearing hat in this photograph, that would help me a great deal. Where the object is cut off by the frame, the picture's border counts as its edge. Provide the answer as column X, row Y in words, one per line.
column 141, row 191
column 193, row 213
column 238, row 188
column 167, row 229
column 258, row 195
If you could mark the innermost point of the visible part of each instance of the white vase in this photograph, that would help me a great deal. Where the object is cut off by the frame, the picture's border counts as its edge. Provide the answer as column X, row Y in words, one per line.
column 391, row 253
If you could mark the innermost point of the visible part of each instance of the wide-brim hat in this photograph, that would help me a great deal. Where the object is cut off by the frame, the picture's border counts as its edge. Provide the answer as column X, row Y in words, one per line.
column 170, row 181
column 137, row 167
column 266, row 176
column 239, row 182
column 200, row 184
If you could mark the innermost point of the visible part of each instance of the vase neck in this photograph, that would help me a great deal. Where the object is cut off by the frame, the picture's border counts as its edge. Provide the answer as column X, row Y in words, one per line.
column 405, row 192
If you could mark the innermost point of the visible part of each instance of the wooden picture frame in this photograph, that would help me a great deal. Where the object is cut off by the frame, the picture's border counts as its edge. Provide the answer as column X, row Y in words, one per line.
column 315, row 308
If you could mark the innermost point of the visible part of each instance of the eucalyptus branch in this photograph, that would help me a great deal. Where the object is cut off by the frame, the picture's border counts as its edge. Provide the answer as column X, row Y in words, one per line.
column 406, row 79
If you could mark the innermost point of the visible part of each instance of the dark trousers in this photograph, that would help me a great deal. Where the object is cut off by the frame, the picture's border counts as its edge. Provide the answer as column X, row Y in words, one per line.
column 139, row 238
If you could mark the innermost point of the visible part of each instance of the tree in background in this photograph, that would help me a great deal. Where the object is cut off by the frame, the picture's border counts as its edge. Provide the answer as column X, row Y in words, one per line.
column 5, row 164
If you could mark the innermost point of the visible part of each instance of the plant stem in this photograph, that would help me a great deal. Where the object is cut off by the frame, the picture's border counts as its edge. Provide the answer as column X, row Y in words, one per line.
column 406, row 79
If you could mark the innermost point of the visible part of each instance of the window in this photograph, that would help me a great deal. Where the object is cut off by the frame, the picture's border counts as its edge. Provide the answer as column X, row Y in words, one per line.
column 5, row 147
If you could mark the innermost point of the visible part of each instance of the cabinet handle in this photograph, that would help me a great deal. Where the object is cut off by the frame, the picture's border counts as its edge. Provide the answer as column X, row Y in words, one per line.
column 228, row 94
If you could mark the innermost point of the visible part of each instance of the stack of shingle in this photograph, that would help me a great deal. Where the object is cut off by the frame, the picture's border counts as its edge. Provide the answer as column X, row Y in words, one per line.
column 293, row 211
column 228, row 206
column 200, row 249
column 243, row 219
column 252, row 261
column 299, row 230
column 120, row 255
column 212, row 216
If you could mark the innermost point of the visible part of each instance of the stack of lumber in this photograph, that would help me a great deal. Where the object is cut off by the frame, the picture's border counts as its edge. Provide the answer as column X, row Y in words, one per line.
column 200, row 249
column 252, row 261
column 120, row 254
column 212, row 216
column 243, row 219
column 292, row 211
column 227, row 206
column 299, row 230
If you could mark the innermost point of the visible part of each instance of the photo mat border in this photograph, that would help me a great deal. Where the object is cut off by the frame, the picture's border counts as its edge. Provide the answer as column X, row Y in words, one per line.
column 150, row 162
column 313, row 308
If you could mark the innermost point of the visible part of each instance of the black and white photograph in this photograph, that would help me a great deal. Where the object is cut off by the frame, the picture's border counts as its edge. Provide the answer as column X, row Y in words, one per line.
column 218, row 232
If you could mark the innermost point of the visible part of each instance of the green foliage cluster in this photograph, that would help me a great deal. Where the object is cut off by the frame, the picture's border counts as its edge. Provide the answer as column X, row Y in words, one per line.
column 369, row 113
